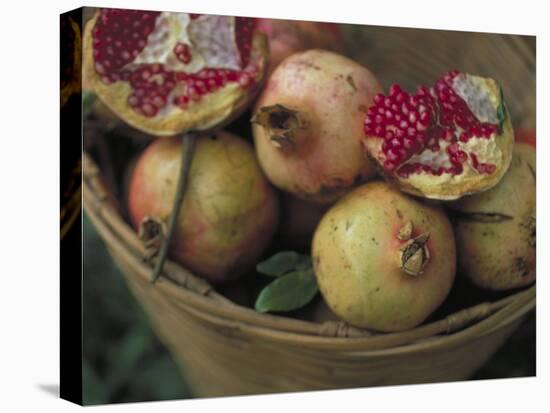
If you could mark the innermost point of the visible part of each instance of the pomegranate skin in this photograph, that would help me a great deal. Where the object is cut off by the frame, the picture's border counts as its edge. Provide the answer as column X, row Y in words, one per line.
column 357, row 261
column 500, row 254
column 229, row 212
column 287, row 37
column 308, row 124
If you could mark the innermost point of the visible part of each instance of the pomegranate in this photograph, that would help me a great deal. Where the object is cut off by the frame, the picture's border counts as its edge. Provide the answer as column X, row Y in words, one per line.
column 127, row 175
column 383, row 260
column 231, row 211
column 166, row 73
column 308, row 123
column 496, row 229
column 445, row 142
column 287, row 37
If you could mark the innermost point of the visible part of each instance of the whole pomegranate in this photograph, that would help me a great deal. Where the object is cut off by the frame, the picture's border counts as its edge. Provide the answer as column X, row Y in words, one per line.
column 496, row 229
column 166, row 73
column 230, row 210
column 308, row 124
column 445, row 142
column 384, row 260
column 287, row 37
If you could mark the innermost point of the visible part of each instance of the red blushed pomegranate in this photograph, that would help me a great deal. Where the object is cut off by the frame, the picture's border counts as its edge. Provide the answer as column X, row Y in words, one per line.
column 166, row 73
column 384, row 260
column 496, row 229
column 230, row 209
column 445, row 142
column 287, row 37
column 308, row 124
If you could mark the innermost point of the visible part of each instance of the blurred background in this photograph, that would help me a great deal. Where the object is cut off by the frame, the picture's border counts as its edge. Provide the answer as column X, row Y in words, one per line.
column 125, row 362
column 123, row 359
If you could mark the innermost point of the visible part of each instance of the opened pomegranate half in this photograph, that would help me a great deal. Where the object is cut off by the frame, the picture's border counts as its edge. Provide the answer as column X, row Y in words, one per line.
column 447, row 141
column 167, row 73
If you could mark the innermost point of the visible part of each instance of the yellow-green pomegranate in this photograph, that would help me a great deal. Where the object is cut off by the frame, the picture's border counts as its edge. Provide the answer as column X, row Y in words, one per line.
column 496, row 229
column 384, row 260
column 229, row 212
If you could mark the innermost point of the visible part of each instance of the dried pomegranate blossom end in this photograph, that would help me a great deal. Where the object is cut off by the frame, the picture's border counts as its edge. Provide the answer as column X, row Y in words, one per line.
column 428, row 132
column 138, row 47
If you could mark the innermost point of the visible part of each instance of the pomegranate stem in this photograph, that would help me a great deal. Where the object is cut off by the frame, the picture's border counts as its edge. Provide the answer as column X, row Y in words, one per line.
column 188, row 143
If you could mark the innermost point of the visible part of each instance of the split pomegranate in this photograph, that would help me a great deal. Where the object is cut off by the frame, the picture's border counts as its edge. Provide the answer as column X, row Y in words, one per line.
column 384, row 260
column 287, row 37
column 166, row 73
column 308, row 125
column 230, row 211
column 453, row 139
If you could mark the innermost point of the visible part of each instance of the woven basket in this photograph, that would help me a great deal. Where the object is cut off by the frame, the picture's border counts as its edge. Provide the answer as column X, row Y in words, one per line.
column 226, row 349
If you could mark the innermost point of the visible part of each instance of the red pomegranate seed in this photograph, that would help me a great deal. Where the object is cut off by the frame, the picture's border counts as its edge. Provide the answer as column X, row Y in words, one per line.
column 119, row 36
column 414, row 123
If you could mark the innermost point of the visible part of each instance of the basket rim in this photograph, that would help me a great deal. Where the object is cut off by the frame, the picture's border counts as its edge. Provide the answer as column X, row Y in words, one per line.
column 199, row 298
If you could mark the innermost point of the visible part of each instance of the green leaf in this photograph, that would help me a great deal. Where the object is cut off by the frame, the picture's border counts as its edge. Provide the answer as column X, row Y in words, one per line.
column 501, row 112
column 88, row 99
column 305, row 263
column 283, row 262
column 289, row 292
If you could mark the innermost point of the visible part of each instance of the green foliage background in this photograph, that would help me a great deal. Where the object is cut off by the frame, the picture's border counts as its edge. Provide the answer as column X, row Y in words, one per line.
column 123, row 359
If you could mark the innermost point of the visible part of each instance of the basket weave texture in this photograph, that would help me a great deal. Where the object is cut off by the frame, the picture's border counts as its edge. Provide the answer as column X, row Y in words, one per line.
column 226, row 349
